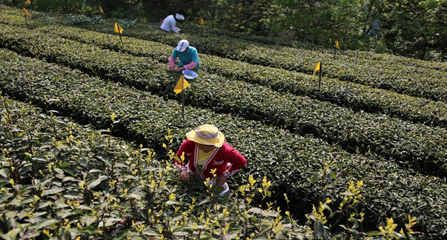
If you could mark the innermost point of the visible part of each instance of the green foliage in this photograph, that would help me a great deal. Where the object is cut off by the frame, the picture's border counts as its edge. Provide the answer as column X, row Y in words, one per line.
column 367, row 134
column 147, row 122
column 62, row 179
column 377, row 74
column 81, row 19
column 239, row 16
column 89, row 11
column 59, row 6
column 119, row 13
column 127, row 23
column 319, row 22
column 412, row 28
column 408, row 28
column 143, row 106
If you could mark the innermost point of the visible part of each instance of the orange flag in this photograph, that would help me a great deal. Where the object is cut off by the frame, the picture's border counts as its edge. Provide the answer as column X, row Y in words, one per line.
column 179, row 87
column 100, row 9
column 317, row 68
column 25, row 12
column 118, row 28
column 28, row 2
column 201, row 21
column 336, row 45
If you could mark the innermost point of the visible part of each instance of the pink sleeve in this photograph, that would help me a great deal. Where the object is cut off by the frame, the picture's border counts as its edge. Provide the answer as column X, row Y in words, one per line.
column 171, row 62
column 190, row 66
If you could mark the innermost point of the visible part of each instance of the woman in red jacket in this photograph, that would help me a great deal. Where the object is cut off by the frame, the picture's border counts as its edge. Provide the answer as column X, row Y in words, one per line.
column 205, row 150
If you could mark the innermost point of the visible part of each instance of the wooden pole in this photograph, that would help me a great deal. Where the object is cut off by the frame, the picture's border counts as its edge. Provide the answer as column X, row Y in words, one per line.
column 320, row 75
column 356, row 56
column 183, row 97
column 120, row 34
column 23, row 74
column 346, row 93
column 107, row 33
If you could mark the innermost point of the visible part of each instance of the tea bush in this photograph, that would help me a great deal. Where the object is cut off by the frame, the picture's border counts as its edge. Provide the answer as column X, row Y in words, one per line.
column 337, row 193
column 415, row 144
column 295, row 161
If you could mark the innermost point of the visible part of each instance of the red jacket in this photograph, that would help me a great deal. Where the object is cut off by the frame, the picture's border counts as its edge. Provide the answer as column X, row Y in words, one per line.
column 218, row 160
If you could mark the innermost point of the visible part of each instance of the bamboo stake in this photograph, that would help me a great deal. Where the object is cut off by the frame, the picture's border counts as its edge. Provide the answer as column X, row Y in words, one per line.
column 320, row 75
column 183, row 97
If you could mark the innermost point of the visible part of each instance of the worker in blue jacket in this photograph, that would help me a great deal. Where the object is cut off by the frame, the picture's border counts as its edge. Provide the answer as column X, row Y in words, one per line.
column 187, row 55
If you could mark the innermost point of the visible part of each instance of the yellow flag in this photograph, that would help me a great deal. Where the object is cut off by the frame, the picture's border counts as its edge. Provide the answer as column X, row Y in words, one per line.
column 28, row 2
column 336, row 45
column 100, row 9
column 118, row 28
column 178, row 88
column 201, row 21
column 317, row 68
column 25, row 12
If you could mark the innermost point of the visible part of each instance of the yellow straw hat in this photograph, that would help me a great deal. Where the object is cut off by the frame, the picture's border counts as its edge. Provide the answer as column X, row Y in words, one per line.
column 207, row 135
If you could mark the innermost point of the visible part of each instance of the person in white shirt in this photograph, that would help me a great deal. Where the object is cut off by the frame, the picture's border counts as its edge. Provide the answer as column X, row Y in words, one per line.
column 168, row 23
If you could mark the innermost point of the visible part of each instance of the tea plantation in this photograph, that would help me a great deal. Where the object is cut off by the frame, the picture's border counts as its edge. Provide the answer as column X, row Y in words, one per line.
column 90, row 121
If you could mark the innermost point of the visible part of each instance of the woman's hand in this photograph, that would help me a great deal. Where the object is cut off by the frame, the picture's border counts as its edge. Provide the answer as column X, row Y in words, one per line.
column 180, row 69
column 172, row 69
column 221, row 180
column 184, row 175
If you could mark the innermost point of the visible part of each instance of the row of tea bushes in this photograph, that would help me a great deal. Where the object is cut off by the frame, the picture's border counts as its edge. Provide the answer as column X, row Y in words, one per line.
column 358, row 97
column 383, row 73
column 290, row 161
column 63, row 180
column 15, row 16
column 420, row 146
column 189, row 30
column 410, row 80
column 406, row 80
column 420, row 186
column 55, row 176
